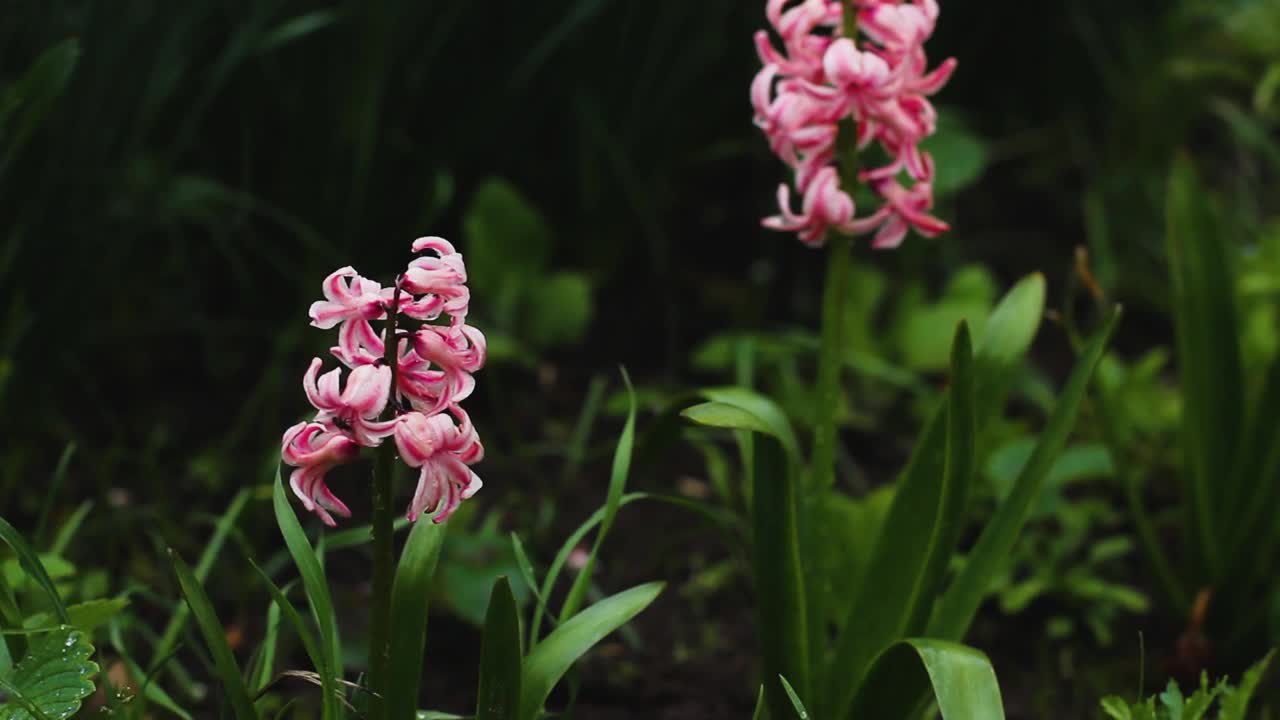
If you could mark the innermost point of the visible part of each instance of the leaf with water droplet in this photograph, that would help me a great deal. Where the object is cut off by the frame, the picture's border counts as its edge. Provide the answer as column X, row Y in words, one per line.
column 52, row 679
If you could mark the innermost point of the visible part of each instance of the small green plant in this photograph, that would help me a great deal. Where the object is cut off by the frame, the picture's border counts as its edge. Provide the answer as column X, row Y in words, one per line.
column 1220, row 701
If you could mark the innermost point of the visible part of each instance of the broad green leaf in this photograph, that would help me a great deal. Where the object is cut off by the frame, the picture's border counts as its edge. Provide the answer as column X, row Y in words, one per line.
column 57, row 567
column 508, row 246
column 215, row 639
column 1236, row 703
column 1009, row 331
column 548, row 662
column 314, row 582
column 617, row 482
column 52, row 679
column 569, row 294
column 756, row 412
column 923, row 329
column 410, row 595
column 498, row 697
column 959, row 155
column 957, row 607
column 918, row 538
column 847, row 532
column 964, row 684
column 781, row 605
column 86, row 616
column 1208, row 341
column 34, row 568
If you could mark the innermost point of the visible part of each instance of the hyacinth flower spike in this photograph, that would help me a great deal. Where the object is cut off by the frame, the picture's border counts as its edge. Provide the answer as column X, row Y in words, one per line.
column 356, row 408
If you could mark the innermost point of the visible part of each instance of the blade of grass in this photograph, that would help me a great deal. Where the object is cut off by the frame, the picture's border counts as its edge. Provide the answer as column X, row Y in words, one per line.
column 328, row 686
column 148, row 689
column 215, row 639
column 410, row 596
column 617, row 482
column 498, row 697
column 169, row 638
column 69, row 528
column 266, row 661
column 31, row 563
column 55, row 483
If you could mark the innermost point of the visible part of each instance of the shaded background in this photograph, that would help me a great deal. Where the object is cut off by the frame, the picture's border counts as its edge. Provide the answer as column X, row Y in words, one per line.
column 177, row 178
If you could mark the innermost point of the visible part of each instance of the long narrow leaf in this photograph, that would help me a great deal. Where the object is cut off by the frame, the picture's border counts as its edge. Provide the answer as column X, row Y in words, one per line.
column 410, row 595
column 918, row 538
column 27, row 558
column 498, row 697
column 215, row 639
column 964, row 684
column 548, row 662
column 782, row 611
column 956, row 609
column 1209, row 358
column 328, row 686
column 313, row 580
column 169, row 639
column 617, row 482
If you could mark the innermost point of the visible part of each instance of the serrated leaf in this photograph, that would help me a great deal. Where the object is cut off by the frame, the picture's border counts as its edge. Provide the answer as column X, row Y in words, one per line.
column 86, row 616
column 53, row 677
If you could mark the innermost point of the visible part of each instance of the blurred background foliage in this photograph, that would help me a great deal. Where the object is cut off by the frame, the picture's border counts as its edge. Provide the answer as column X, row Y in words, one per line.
column 177, row 178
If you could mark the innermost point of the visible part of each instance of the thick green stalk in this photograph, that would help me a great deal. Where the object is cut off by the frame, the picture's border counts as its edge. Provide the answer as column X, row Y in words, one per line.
column 383, row 545
column 830, row 360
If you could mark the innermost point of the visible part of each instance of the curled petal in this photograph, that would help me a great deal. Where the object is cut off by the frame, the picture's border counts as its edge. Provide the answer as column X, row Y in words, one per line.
column 347, row 296
column 442, row 451
column 314, row 449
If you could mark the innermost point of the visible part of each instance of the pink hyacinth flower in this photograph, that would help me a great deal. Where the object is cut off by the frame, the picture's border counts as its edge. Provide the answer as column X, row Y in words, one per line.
column 440, row 279
column 347, row 296
column 315, row 449
column 442, row 451
column 826, row 206
column 354, row 409
column 904, row 208
column 456, row 352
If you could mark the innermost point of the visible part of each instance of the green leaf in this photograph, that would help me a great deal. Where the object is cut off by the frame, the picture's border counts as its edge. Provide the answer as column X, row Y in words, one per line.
column 1236, row 703
column 35, row 570
column 328, row 687
column 313, row 580
column 564, row 302
column 1009, row 331
column 617, row 482
column 548, row 662
column 964, row 684
column 86, row 616
column 25, row 103
column 296, row 28
column 498, row 697
column 919, row 535
column 215, row 639
column 959, row 155
column 52, row 679
column 1208, row 342
column 741, row 409
column 410, row 594
column 782, row 610
column 847, row 533
column 508, row 246
column 265, row 663
column 169, row 639
column 957, row 607
column 796, row 703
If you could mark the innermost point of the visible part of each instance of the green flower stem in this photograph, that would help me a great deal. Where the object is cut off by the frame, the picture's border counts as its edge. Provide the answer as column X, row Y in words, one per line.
column 383, row 546
column 832, row 353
